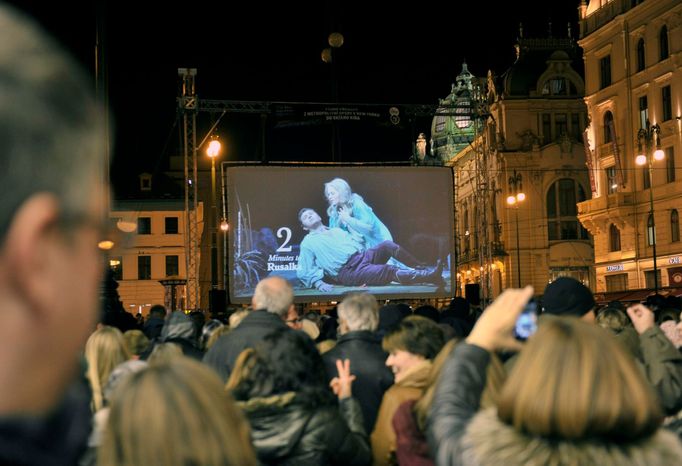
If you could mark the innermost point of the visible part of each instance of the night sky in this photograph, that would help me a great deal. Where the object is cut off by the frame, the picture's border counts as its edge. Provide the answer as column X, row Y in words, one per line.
column 271, row 52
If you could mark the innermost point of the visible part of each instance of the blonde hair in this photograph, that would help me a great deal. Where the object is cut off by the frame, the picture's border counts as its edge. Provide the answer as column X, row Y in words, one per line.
column 165, row 353
column 175, row 414
column 494, row 380
column 104, row 350
column 574, row 382
column 136, row 342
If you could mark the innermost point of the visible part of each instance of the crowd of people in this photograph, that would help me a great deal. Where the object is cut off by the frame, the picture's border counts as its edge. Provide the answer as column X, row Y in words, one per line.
column 369, row 385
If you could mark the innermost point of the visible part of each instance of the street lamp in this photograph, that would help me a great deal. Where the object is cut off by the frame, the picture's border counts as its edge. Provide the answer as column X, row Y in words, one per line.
column 212, row 151
column 516, row 187
column 647, row 139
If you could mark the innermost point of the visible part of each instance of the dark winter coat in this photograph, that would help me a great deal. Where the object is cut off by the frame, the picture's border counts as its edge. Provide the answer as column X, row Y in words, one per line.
column 459, row 436
column 223, row 354
column 287, row 433
column 368, row 365
column 58, row 439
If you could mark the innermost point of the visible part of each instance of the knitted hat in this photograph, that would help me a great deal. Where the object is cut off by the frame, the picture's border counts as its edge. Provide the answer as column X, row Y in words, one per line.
column 566, row 296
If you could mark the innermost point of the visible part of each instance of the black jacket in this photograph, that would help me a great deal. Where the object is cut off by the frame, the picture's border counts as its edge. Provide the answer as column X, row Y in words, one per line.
column 223, row 354
column 58, row 439
column 368, row 365
column 284, row 432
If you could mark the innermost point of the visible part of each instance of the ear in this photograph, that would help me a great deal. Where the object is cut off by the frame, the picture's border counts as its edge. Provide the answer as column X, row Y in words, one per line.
column 28, row 249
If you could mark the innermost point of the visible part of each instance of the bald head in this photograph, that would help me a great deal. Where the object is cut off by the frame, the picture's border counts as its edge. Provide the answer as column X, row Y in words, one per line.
column 273, row 294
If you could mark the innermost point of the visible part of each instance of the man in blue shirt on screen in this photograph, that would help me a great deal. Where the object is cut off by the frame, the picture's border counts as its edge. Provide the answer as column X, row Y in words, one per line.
column 333, row 254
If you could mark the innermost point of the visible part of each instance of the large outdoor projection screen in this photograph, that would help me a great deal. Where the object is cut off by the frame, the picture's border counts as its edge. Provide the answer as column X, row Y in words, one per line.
column 415, row 204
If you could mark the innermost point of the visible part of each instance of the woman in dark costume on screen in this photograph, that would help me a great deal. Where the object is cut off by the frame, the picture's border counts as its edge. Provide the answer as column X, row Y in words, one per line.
column 348, row 211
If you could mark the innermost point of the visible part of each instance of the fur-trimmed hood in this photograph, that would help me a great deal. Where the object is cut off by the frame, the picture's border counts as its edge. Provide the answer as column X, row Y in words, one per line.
column 489, row 441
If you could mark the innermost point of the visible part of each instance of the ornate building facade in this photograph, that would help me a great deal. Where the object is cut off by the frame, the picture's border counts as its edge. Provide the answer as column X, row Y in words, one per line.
column 522, row 138
column 633, row 67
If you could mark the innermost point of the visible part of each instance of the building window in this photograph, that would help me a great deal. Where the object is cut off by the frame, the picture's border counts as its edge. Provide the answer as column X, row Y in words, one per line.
column 611, row 180
column 546, row 127
column 562, row 211
column 614, row 238
column 649, row 278
column 663, row 49
column 669, row 164
column 643, row 111
column 618, row 282
column 144, row 267
column 605, row 71
column 171, row 225
column 650, row 230
column 666, row 100
column 575, row 126
column 641, row 62
column 172, row 266
column 440, row 123
column 646, row 177
column 674, row 226
column 560, row 124
column 144, row 226
column 608, row 121
column 116, row 267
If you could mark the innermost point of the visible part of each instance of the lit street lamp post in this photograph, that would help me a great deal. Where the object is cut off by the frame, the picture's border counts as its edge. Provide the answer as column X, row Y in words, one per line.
column 212, row 151
column 647, row 139
column 516, row 187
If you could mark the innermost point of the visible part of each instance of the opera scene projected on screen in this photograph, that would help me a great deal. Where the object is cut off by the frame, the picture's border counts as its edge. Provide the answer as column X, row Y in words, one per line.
column 330, row 230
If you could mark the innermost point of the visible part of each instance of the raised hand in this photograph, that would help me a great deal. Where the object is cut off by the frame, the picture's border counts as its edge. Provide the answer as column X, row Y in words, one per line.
column 493, row 330
column 642, row 317
column 341, row 385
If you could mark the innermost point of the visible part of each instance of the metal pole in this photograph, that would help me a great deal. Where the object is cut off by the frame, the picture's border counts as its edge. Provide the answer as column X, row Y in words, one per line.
column 518, row 250
column 214, row 250
column 653, row 218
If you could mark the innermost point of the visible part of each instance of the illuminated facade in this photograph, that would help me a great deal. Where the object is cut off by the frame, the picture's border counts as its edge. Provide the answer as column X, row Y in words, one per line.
column 525, row 136
column 151, row 248
column 633, row 65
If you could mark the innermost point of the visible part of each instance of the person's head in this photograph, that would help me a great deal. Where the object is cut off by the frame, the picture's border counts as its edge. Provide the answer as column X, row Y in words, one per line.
column 52, row 158
column 358, row 311
column 165, row 353
column 104, row 350
column 337, row 191
column 179, row 326
column 412, row 341
column 390, row 316
column 158, row 311
column 427, row 311
column 308, row 218
column 136, row 342
column 207, row 330
column 274, row 294
column 612, row 319
column 174, row 415
column 566, row 296
column 285, row 361
column 572, row 382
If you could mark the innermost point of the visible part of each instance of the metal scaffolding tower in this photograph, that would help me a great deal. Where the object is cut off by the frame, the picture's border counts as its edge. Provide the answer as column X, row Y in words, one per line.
column 187, row 105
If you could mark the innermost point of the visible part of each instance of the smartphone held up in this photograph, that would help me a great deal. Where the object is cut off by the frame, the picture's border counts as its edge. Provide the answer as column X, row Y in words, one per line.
column 527, row 322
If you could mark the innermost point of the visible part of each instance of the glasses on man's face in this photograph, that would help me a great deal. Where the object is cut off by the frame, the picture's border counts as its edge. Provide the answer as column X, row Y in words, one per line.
column 107, row 233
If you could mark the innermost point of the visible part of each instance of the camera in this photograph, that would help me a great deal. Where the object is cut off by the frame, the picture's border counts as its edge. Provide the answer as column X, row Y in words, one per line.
column 526, row 323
